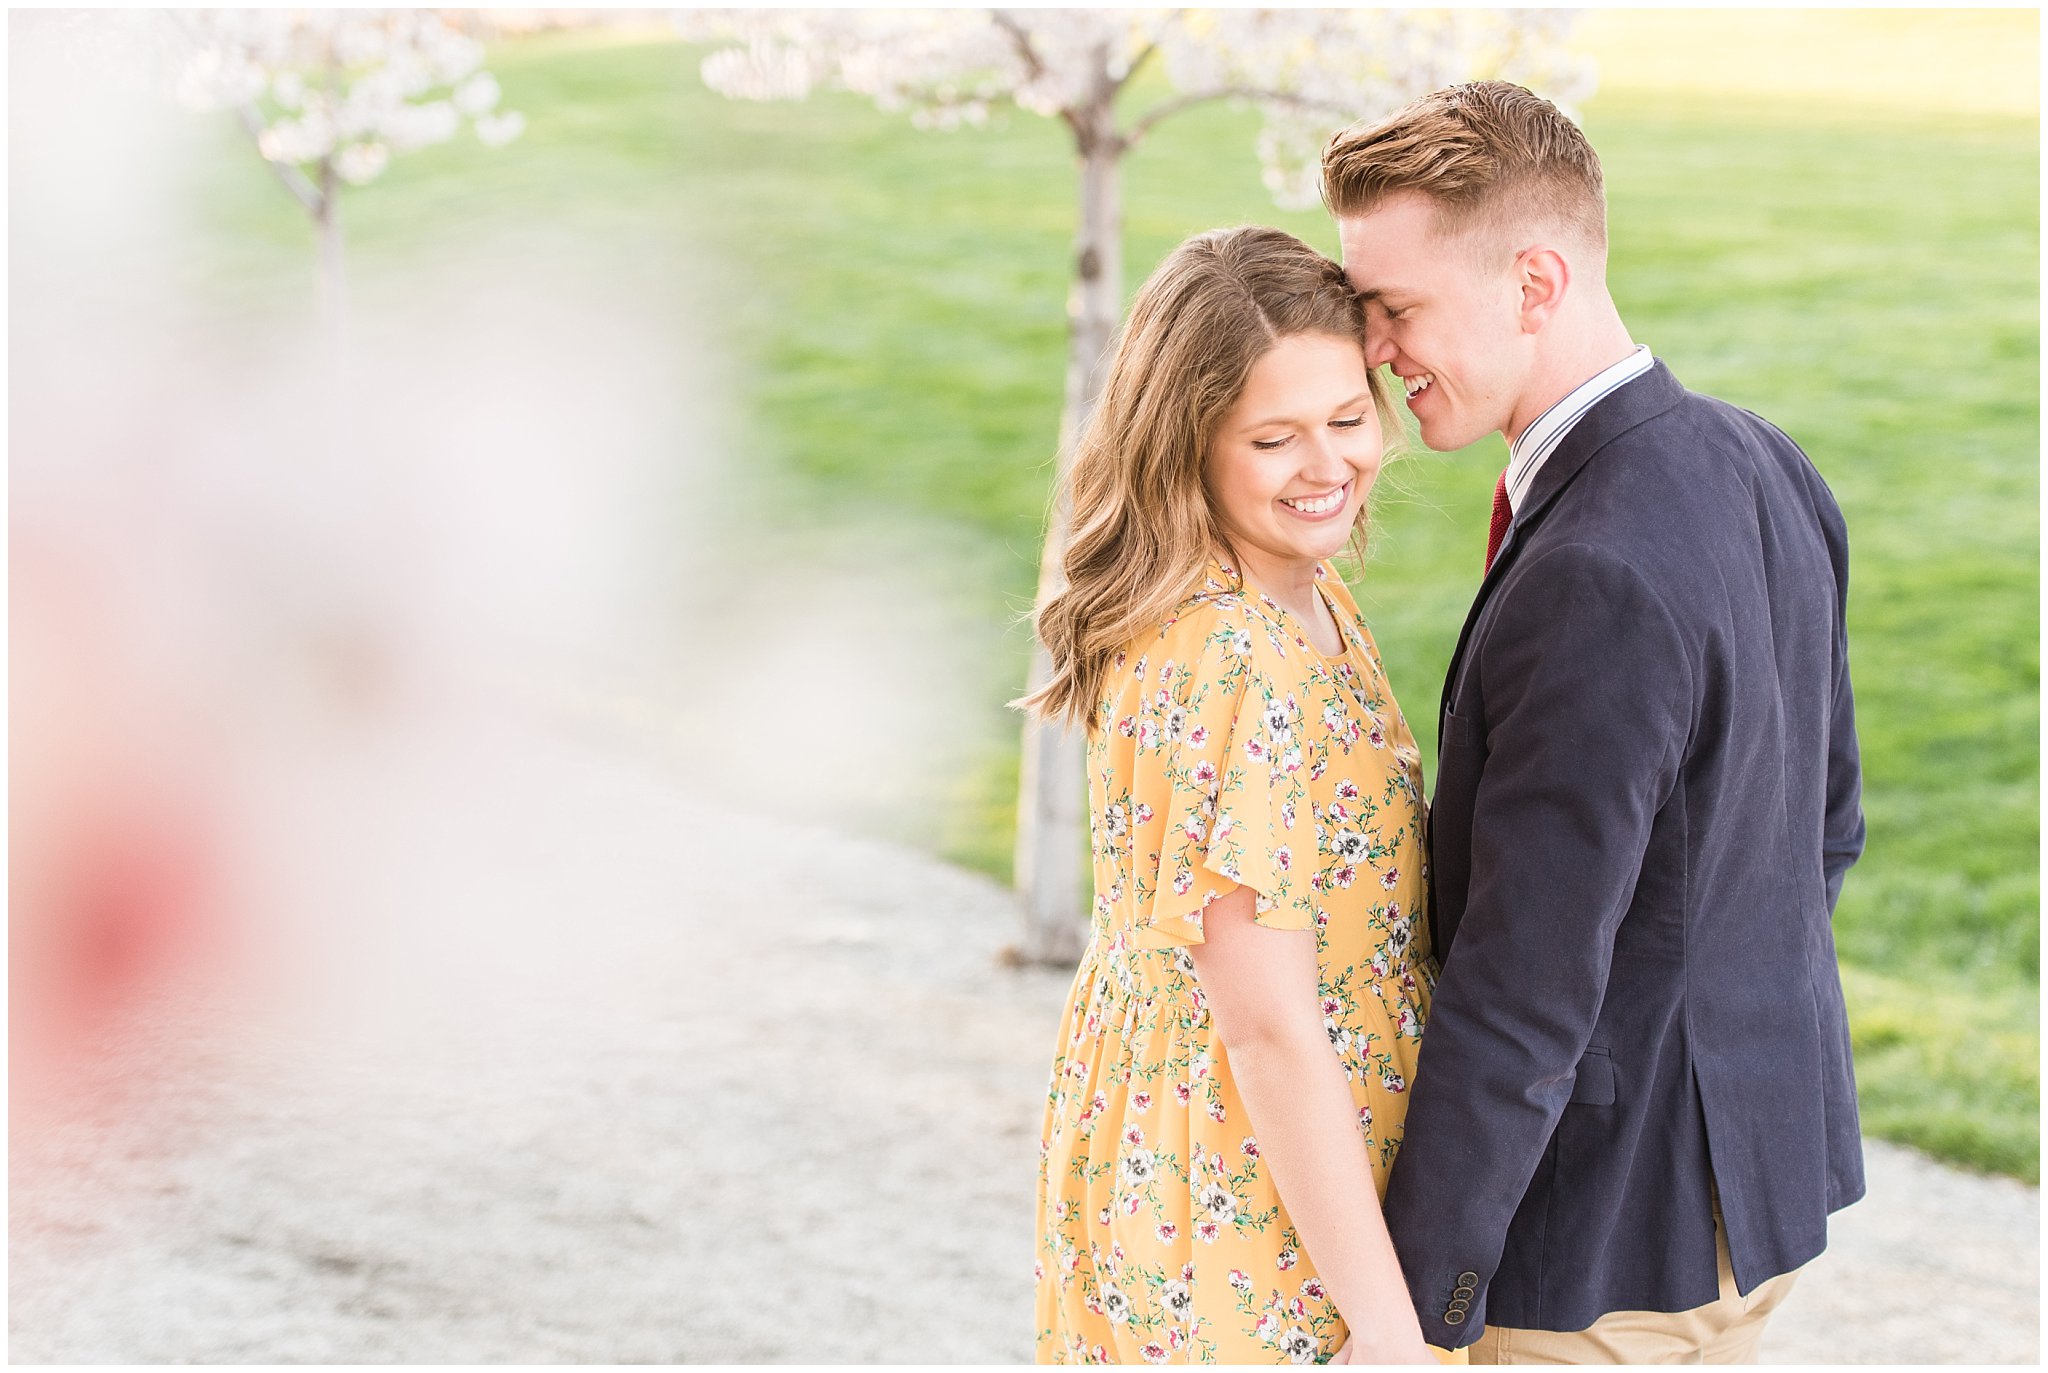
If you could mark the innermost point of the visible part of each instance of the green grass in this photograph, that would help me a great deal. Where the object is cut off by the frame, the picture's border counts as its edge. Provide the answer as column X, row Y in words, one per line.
column 1868, row 282
column 1951, row 1069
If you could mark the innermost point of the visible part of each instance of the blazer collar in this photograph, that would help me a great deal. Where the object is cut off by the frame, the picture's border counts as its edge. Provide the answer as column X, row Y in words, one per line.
column 1621, row 410
column 1646, row 397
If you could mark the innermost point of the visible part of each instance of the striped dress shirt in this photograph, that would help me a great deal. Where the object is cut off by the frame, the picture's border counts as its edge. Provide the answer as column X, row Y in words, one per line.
column 1527, row 453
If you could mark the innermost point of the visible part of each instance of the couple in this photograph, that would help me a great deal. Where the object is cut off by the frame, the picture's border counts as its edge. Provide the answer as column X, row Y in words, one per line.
column 1612, row 1127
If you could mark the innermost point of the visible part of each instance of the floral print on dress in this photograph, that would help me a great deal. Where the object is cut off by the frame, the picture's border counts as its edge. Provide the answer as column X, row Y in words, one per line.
column 1228, row 751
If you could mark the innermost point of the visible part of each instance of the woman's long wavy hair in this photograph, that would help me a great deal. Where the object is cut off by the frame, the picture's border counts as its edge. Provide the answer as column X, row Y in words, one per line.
column 1143, row 524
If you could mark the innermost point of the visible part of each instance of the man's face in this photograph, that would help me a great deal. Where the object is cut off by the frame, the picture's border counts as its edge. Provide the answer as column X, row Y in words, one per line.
column 1445, row 315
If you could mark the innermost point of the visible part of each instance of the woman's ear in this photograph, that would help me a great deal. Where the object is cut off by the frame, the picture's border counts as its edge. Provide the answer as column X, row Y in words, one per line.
column 1545, row 275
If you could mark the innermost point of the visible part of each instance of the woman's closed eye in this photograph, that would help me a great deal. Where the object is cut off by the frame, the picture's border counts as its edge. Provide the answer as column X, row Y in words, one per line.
column 1273, row 445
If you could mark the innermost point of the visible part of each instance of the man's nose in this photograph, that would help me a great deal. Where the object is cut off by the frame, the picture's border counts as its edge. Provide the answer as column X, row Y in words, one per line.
column 1379, row 344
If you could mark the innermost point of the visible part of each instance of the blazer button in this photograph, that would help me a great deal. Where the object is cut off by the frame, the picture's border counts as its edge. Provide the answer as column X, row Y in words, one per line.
column 1463, row 1292
column 1454, row 1318
column 1458, row 1304
column 1468, row 1279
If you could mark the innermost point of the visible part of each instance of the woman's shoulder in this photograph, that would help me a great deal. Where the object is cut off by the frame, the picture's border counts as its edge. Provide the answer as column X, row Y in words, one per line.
column 1221, row 628
column 1218, row 618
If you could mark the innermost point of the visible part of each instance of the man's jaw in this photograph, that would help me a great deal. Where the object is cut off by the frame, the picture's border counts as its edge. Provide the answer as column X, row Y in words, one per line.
column 1429, row 411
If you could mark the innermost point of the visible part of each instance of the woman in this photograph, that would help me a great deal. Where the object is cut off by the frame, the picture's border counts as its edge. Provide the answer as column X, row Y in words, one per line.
column 1227, row 1095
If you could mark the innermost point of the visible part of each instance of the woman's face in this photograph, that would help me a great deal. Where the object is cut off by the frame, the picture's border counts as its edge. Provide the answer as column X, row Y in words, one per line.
column 1292, row 461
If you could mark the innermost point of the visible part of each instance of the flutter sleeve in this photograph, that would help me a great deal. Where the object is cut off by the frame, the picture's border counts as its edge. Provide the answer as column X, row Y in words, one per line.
column 1218, row 790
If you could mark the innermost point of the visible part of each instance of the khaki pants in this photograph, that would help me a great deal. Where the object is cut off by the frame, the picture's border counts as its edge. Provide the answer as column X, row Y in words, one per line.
column 1725, row 1330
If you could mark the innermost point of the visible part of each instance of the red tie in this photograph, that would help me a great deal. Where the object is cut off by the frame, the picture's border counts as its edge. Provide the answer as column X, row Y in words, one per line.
column 1502, row 514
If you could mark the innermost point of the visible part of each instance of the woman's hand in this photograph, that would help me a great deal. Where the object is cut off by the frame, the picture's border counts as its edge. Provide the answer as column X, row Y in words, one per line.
column 1390, row 1352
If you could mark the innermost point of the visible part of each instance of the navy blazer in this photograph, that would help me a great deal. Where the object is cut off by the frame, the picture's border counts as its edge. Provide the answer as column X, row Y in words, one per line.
column 1647, row 794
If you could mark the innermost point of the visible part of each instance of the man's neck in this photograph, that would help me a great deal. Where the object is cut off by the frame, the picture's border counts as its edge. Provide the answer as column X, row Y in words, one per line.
column 1566, row 373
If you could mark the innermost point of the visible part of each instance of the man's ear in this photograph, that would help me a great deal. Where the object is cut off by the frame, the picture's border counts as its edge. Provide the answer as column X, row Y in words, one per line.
column 1545, row 276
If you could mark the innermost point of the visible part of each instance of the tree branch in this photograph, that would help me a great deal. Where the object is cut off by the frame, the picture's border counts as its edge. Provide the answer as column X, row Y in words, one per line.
column 1034, row 65
column 294, row 180
column 1167, row 109
column 1084, row 131
column 1151, row 47
column 1137, row 62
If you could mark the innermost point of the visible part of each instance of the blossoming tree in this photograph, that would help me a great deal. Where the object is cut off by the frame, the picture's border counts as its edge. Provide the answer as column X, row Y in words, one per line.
column 329, row 96
column 1307, row 72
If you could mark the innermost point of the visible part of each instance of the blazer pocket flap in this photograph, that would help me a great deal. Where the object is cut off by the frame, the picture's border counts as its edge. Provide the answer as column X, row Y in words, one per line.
column 1457, row 730
column 1594, row 1084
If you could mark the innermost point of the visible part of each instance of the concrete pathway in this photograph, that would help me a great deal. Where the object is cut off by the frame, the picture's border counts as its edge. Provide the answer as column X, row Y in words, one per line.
column 610, row 1073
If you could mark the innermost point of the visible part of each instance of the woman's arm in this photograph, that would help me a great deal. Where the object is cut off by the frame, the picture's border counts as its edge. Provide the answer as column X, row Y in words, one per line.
column 1262, row 992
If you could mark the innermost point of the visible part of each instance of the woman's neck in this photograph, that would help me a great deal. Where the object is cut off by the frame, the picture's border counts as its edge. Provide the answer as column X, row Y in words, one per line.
column 1290, row 581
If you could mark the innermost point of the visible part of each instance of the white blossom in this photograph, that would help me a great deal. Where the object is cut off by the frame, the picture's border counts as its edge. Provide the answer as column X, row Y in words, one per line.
column 496, row 130
column 1309, row 72
column 216, row 78
column 419, row 126
column 478, row 95
column 357, row 86
column 360, row 162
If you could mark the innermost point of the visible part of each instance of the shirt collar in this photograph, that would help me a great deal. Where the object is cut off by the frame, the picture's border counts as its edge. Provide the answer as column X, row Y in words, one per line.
column 1541, row 439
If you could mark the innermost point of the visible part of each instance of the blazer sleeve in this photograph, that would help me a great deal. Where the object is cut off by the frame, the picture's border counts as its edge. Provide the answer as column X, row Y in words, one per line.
column 1842, row 834
column 1589, row 693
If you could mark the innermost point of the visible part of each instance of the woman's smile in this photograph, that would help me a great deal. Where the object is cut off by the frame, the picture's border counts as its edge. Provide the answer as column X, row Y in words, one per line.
column 1317, row 509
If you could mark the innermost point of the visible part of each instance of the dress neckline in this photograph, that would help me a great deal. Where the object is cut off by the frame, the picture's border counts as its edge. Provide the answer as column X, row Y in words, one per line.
column 1346, row 639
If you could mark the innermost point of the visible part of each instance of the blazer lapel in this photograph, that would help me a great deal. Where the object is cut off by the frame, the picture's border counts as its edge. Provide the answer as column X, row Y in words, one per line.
column 1647, row 396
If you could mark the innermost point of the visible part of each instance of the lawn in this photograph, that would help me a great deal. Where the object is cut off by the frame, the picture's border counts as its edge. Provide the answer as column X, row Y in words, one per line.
column 1866, row 279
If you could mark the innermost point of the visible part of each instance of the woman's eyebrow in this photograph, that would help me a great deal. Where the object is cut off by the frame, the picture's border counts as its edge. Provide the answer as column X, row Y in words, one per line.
column 1361, row 398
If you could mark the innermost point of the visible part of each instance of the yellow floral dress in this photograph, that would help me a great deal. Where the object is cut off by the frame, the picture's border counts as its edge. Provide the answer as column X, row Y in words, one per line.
column 1228, row 750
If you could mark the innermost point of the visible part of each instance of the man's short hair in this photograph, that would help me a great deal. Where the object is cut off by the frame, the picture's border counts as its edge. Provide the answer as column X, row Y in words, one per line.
column 1487, row 153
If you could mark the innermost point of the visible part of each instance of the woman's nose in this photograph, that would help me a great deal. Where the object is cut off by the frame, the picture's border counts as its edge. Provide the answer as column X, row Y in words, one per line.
column 1326, row 461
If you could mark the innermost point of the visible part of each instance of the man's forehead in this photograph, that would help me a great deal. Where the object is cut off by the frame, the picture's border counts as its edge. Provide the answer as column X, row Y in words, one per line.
column 1372, row 277
column 1385, row 250
column 1407, row 215
column 1405, row 256
column 1370, row 288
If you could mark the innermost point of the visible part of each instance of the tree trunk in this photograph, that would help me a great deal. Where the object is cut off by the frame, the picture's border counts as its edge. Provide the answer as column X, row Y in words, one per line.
column 332, row 281
column 1051, row 869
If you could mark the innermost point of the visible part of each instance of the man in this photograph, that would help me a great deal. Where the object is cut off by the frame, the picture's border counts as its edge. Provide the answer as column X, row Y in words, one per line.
column 1634, row 1107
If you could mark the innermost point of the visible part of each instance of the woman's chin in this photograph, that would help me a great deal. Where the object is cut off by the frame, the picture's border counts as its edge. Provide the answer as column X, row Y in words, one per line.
column 1319, row 551
column 1327, row 543
column 1304, row 546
